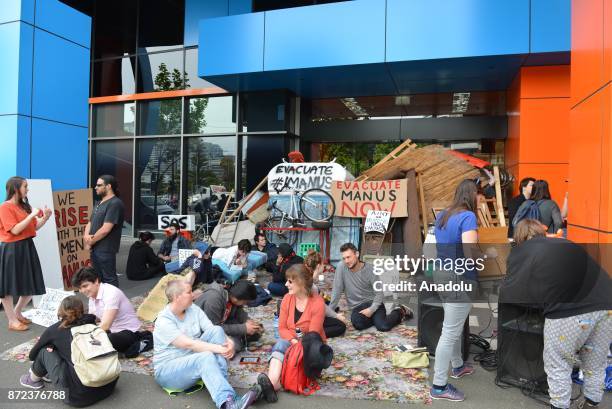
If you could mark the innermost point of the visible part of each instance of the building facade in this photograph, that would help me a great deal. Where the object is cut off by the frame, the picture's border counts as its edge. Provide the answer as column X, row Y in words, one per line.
column 183, row 100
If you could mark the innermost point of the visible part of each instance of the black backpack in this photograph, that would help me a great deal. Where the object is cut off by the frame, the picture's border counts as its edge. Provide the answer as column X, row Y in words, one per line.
column 528, row 210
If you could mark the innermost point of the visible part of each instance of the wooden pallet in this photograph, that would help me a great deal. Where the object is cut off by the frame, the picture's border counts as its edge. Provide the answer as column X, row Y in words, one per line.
column 405, row 146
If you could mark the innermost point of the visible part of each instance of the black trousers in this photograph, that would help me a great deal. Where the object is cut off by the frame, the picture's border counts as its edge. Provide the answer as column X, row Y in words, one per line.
column 379, row 319
column 50, row 364
column 122, row 340
column 333, row 327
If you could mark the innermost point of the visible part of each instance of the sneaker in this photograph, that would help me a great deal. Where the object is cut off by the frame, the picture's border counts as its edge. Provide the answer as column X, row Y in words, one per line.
column 26, row 381
column 405, row 312
column 267, row 388
column 46, row 380
column 242, row 402
column 584, row 405
column 465, row 369
column 448, row 393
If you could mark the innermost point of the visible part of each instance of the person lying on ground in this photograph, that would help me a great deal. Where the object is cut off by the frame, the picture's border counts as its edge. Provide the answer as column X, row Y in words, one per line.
column 262, row 244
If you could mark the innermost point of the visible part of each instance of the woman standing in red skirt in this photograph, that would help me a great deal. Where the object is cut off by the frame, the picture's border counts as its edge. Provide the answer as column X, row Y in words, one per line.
column 20, row 272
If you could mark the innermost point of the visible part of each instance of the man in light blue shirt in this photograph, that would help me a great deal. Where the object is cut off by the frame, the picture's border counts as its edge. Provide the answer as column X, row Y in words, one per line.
column 188, row 347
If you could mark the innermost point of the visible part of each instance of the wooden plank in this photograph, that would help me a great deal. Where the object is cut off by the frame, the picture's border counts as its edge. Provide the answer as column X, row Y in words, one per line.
column 422, row 201
column 413, row 244
column 245, row 200
column 500, row 206
column 222, row 217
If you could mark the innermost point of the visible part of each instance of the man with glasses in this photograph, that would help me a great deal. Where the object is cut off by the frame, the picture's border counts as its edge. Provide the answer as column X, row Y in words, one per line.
column 103, row 232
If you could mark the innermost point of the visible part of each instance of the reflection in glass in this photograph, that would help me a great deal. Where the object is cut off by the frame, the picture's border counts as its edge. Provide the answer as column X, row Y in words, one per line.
column 191, row 69
column 210, row 115
column 160, row 25
column 162, row 117
column 158, row 173
column 263, row 111
column 115, row 158
column 114, row 77
column 114, row 120
column 355, row 157
column 160, row 72
column 211, row 165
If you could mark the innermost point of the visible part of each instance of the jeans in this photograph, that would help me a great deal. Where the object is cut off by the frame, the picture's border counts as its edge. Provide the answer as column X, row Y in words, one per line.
column 277, row 289
column 448, row 350
column 182, row 373
column 122, row 340
column 279, row 349
column 379, row 319
column 583, row 339
column 172, row 266
column 105, row 264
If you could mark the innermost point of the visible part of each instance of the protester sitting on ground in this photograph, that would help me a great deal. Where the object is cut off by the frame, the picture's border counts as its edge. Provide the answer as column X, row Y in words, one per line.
column 526, row 188
column 224, row 307
column 142, row 263
column 235, row 257
column 301, row 312
column 263, row 245
column 550, row 214
column 169, row 249
column 335, row 323
column 200, row 262
column 285, row 259
column 356, row 280
column 112, row 309
column 573, row 292
column 51, row 356
column 189, row 348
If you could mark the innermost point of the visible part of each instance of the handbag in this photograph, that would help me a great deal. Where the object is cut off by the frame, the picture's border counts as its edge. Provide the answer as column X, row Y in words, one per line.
column 410, row 359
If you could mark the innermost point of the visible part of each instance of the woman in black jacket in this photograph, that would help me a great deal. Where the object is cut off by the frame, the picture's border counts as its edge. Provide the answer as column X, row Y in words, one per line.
column 51, row 358
column 142, row 262
column 286, row 258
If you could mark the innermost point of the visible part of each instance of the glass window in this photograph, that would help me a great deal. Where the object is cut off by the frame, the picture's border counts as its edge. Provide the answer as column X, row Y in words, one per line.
column 158, row 174
column 211, row 115
column 211, row 167
column 160, row 25
column 355, row 157
column 161, row 117
column 191, row 71
column 263, row 111
column 114, row 120
column 116, row 158
column 114, row 77
column 114, row 28
column 160, row 72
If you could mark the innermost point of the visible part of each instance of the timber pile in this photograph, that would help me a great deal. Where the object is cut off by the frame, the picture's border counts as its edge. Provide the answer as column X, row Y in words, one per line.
column 439, row 172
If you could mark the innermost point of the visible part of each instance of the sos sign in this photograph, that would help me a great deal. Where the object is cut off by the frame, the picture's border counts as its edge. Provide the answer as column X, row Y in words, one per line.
column 186, row 222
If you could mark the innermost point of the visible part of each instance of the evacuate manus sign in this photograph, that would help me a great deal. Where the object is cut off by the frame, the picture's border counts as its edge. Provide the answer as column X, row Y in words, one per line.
column 355, row 199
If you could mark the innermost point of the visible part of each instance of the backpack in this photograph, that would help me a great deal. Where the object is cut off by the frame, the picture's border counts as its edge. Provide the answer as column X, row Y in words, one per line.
column 293, row 377
column 96, row 362
column 527, row 211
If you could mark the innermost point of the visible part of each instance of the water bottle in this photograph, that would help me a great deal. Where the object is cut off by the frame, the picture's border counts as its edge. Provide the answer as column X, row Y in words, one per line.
column 298, row 333
column 276, row 336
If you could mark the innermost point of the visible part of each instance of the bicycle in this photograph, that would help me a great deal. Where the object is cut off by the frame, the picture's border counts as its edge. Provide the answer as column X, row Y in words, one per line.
column 204, row 230
column 316, row 205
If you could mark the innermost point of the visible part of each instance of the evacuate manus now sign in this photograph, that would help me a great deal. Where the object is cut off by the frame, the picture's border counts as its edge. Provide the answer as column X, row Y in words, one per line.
column 355, row 199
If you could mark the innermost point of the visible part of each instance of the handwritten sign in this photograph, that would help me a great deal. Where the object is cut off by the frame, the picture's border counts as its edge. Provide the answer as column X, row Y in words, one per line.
column 186, row 222
column 286, row 178
column 377, row 220
column 46, row 313
column 355, row 199
column 184, row 254
column 72, row 209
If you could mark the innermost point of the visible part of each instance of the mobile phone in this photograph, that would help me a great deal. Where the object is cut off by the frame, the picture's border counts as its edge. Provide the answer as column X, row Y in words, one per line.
column 249, row 360
column 401, row 348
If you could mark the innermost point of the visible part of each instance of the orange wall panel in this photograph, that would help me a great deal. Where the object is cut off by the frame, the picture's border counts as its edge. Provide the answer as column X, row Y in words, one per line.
column 554, row 174
column 545, row 82
column 580, row 235
column 607, row 41
column 605, row 215
column 587, row 48
column 585, row 162
column 545, row 130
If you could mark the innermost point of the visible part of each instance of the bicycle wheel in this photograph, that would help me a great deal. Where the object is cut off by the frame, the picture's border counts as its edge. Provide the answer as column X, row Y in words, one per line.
column 280, row 236
column 313, row 205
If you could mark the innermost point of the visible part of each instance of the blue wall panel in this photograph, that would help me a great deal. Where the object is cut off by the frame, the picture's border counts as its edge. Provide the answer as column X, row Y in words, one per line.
column 233, row 44
column 61, row 80
column 13, row 10
column 54, row 16
column 550, row 25
column 239, row 7
column 59, row 153
column 15, row 152
column 343, row 33
column 196, row 10
column 424, row 30
column 16, row 68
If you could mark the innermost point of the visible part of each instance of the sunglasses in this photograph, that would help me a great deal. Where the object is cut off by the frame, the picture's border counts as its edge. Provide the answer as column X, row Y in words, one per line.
column 100, row 184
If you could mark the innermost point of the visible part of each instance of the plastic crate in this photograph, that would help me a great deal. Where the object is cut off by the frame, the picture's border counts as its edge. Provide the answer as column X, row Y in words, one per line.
column 306, row 247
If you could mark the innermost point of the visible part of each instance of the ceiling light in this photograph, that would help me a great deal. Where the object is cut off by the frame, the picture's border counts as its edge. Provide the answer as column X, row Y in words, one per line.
column 460, row 102
column 354, row 107
column 402, row 100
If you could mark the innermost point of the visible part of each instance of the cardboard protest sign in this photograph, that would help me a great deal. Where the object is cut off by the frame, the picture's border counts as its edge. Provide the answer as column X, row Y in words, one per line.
column 72, row 210
column 184, row 254
column 355, row 199
column 377, row 221
column 286, row 178
column 156, row 300
column 186, row 222
column 46, row 312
